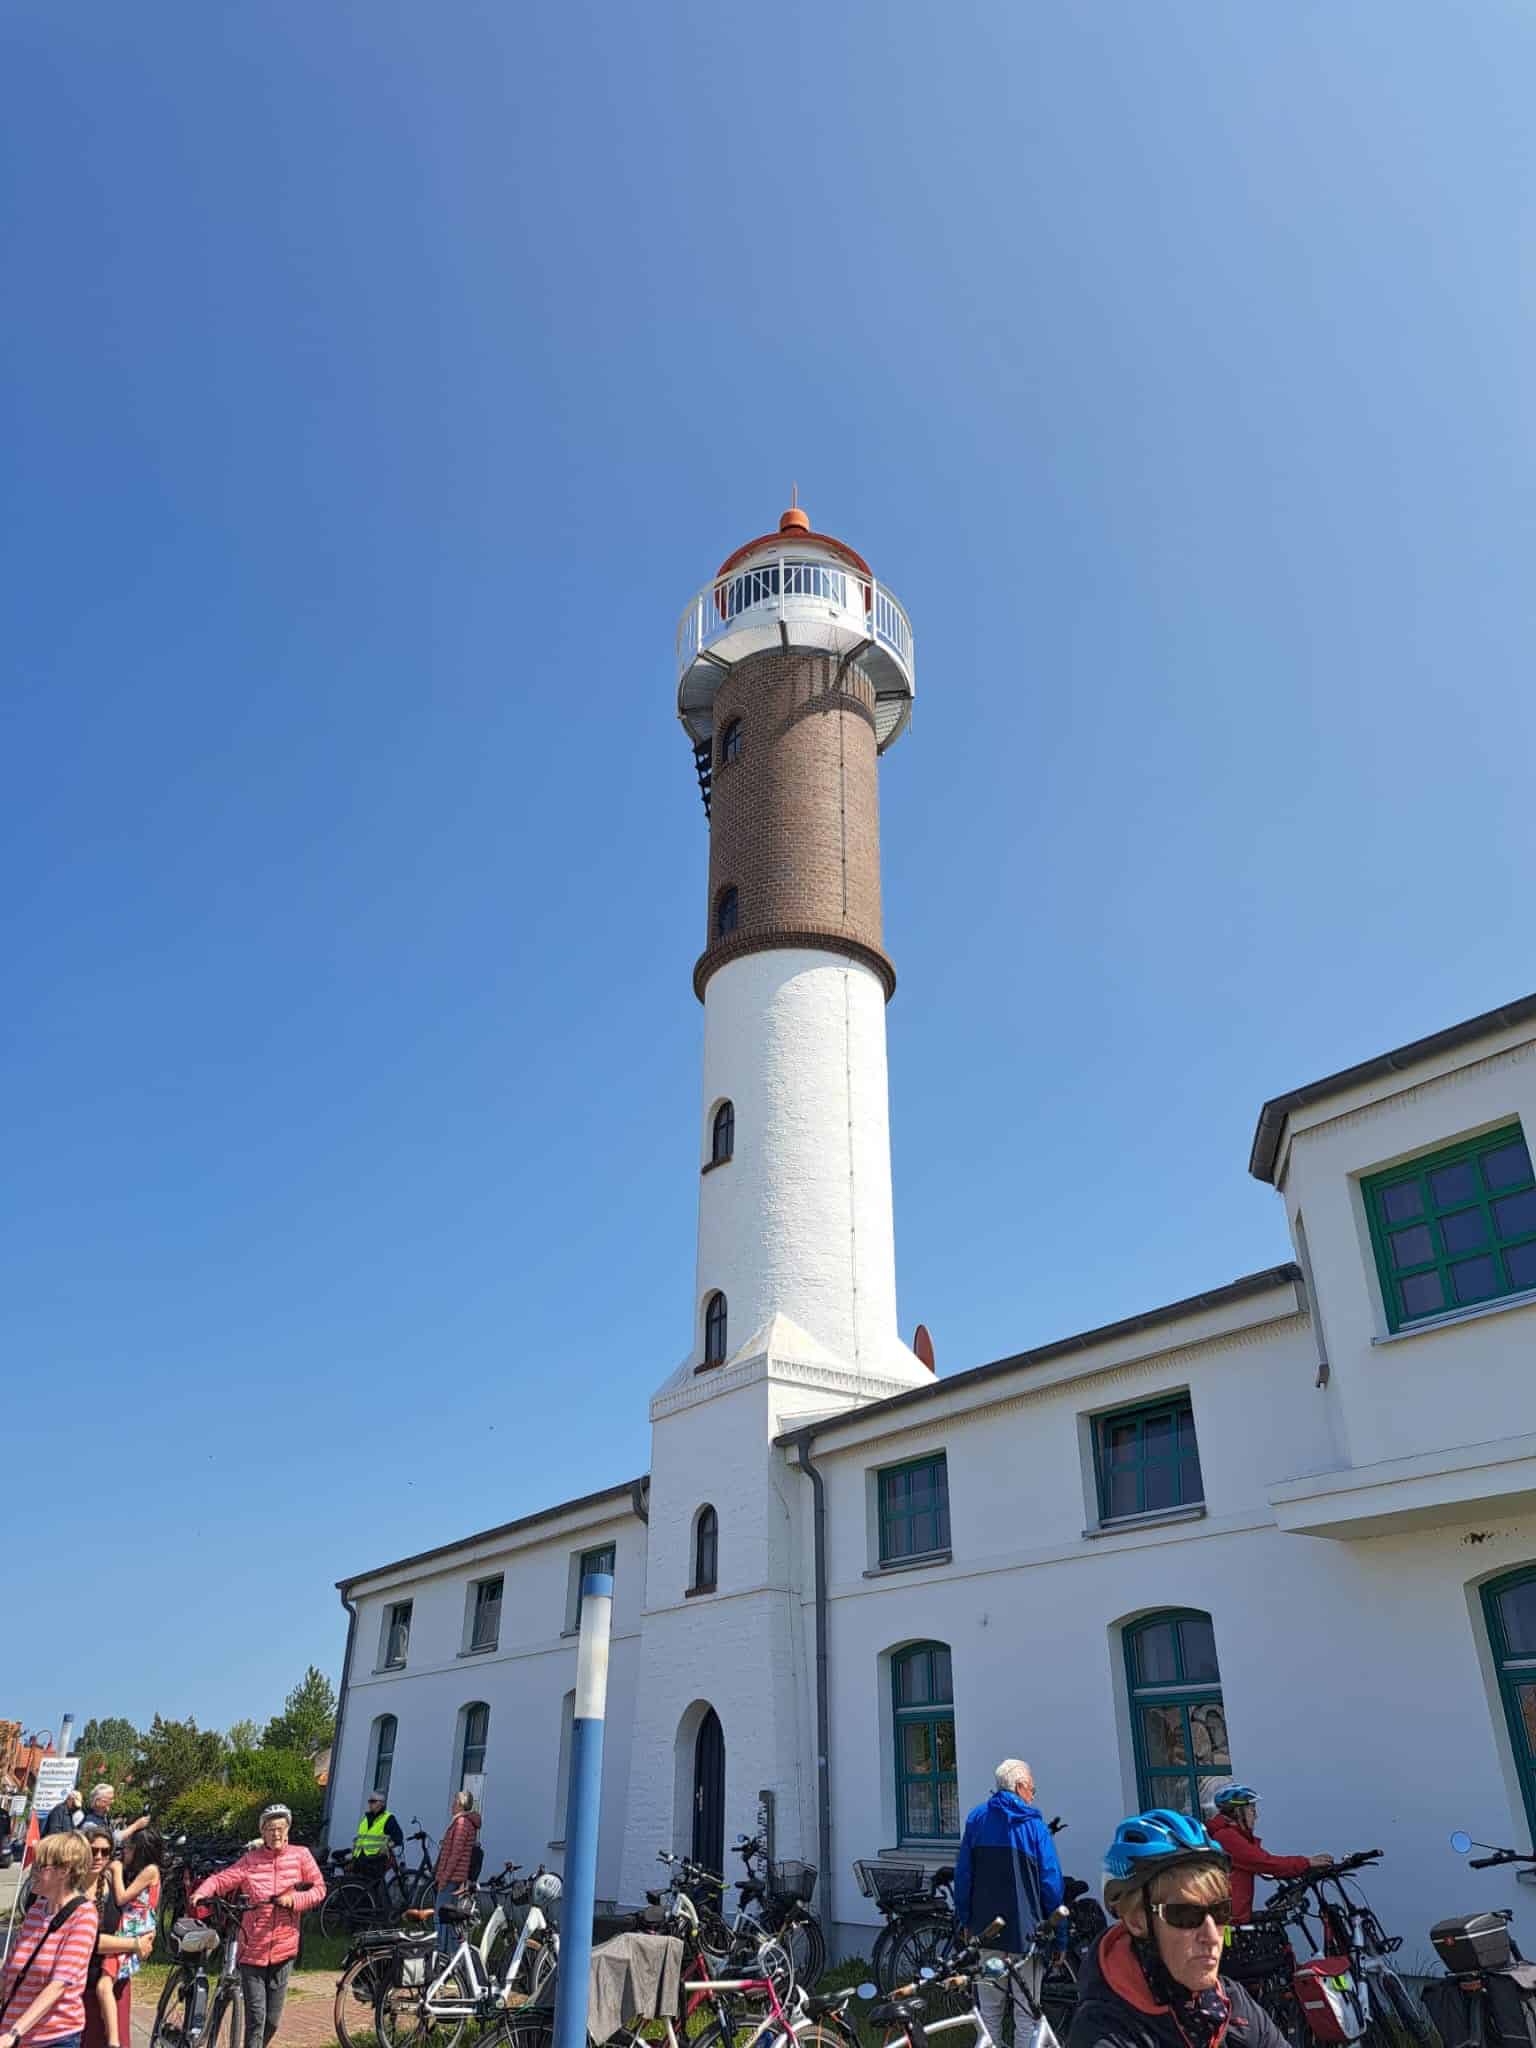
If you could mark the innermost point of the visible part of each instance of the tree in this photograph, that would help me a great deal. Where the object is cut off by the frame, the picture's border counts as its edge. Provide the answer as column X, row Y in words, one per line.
column 243, row 1735
column 173, row 1755
column 308, row 1719
column 111, row 1736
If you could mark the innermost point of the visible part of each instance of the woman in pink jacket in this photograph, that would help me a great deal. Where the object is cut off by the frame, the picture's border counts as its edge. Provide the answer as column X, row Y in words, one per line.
column 282, row 1881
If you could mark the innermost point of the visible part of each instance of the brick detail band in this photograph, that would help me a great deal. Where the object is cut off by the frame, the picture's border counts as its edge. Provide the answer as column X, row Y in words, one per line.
column 742, row 943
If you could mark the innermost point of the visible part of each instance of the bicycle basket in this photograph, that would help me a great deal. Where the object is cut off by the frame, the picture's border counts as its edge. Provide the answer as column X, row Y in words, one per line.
column 1258, row 1952
column 885, row 1881
column 194, row 1938
column 792, row 1881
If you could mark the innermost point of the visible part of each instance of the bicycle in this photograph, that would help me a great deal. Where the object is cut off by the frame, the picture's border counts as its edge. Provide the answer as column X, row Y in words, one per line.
column 1347, row 1926
column 185, row 2017
column 466, row 1987
column 1475, row 1950
column 778, row 1898
column 377, row 1957
column 907, row 2005
column 723, row 1942
column 356, row 1901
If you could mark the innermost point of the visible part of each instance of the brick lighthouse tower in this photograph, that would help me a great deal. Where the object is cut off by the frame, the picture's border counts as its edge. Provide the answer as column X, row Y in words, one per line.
column 794, row 674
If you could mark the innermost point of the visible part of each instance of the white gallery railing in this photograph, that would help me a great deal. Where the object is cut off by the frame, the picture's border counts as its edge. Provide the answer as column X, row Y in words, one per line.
column 780, row 589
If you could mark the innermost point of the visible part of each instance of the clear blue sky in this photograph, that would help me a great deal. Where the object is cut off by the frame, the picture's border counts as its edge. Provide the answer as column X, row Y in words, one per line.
column 378, row 381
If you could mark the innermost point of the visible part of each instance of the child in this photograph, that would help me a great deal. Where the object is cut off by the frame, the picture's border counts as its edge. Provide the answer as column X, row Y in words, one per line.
column 133, row 1877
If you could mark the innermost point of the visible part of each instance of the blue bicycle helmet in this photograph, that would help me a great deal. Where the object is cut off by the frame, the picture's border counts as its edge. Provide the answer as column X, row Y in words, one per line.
column 1147, row 1844
column 1233, row 1795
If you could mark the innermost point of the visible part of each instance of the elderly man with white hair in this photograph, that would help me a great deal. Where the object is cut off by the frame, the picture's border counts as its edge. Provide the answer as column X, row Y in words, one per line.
column 1007, row 1870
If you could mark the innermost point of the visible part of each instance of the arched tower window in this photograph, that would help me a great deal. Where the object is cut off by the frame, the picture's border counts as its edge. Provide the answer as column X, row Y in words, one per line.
column 1177, row 1717
column 714, row 1330
column 923, row 1711
column 727, row 911
column 706, row 1550
column 476, row 1720
column 722, row 1137
column 730, row 741
column 384, row 1732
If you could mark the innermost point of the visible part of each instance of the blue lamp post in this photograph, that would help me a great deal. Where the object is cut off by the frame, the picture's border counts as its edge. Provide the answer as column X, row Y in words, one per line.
column 583, row 1809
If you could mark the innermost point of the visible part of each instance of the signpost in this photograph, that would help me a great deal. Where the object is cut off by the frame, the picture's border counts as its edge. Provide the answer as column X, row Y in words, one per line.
column 583, row 1808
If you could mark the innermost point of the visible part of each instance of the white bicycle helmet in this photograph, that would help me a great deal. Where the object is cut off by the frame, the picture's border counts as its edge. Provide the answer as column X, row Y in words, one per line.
column 546, row 1891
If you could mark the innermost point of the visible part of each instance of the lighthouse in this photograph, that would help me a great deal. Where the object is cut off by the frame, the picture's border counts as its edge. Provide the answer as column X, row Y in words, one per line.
column 795, row 674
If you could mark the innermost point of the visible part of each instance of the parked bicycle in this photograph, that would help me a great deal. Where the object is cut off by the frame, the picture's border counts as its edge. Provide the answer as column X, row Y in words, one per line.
column 468, row 1987
column 1488, row 1998
column 377, row 1957
column 191, row 2014
column 1346, row 1984
column 729, row 1946
column 908, row 2007
column 777, row 1896
column 353, row 1902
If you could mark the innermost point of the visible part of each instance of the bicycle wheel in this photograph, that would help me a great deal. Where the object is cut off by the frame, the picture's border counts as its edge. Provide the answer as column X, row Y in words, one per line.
column 1407, row 2015
column 357, row 1993
column 542, row 1962
column 175, row 2015
column 420, row 1889
column 348, row 1907
column 531, row 2030
column 830, row 2031
column 925, row 1945
column 401, row 2018
column 884, row 1942
column 807, row 1947
column 226, row 2019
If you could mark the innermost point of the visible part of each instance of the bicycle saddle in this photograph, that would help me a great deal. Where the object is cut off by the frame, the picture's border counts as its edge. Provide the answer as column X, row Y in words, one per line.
column 456, row 1914
column 818, row 2007
column 945, row 1874
column 896, row 2012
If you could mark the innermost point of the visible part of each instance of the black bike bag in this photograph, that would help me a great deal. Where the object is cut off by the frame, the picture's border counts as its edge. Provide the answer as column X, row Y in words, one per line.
column 1510, row 1996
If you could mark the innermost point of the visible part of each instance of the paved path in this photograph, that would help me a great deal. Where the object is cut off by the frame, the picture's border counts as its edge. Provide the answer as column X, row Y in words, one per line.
column 306, row 2016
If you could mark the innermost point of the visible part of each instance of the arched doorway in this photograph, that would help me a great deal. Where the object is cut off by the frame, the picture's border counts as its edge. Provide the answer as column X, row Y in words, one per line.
column 709, row 1793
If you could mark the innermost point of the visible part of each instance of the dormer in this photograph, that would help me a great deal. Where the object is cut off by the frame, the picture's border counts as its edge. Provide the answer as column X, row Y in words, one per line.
column 1411, row 1201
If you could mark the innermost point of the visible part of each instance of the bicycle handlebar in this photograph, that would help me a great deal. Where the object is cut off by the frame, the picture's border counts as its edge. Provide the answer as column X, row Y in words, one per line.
column 1501, row 1856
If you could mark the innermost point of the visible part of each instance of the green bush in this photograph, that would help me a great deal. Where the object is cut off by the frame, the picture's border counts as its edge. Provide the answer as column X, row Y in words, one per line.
column 257, row 1778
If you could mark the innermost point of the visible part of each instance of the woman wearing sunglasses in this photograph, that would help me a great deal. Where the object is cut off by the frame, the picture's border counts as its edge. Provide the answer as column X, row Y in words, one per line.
column 1154, row 1980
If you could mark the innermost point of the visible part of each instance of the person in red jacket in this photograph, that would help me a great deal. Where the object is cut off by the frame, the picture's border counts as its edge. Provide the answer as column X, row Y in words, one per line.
column 1232, row 1826
column 283, row 1881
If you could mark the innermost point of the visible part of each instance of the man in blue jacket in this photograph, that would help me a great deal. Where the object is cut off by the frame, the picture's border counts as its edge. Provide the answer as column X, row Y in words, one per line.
column 1007, row 1869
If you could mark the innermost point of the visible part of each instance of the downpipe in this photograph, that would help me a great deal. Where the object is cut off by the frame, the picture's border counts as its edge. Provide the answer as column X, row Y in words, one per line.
column 823, row 1716
column 341, row 1716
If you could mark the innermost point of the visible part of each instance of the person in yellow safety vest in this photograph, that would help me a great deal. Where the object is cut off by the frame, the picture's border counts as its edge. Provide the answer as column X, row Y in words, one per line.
column 378, row 1835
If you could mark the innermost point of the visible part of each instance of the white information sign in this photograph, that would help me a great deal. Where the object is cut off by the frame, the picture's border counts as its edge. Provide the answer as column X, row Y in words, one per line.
column 56, row 1775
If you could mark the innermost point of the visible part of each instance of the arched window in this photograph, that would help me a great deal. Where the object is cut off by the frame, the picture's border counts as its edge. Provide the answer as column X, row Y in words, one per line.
column 923, row 1709
column 730, row 741
column 714, row 1330
column 727, row 909
column 706, row 1550
column 1509, row 1605
column 1178, row 1722
column 722, row 1137
column 477, row 1728
column 382, row 1747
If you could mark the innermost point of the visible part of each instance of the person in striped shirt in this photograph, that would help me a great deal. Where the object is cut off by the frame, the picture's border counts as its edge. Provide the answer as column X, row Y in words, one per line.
column 42, row 1993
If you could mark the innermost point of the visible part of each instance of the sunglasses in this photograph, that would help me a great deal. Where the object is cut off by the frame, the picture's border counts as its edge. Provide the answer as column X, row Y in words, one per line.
column 1187, row 1916
column 99, row 1852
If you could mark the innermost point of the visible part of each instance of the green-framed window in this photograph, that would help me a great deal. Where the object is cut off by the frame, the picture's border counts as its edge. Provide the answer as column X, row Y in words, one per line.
column 1146, row 1458
column 1178, row 1722
column 1454, row 1228
column 1510, row 1607
column 914, row 1509
column 923, row 1711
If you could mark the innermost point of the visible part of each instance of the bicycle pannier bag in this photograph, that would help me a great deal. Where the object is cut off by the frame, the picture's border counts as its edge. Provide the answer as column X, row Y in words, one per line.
column 1473, row 1941
column 1511, row 1997
column 413, row 1971
column 476, row 1861
column 1325, row 1990
column 1450, row 2008
column 1257, row 1953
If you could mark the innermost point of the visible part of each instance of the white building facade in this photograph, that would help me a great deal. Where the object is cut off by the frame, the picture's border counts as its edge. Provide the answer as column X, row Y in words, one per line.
column 1284, row 1531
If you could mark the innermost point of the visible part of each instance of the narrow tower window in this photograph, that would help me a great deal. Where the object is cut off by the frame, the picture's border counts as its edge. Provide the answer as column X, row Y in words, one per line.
column 706, row 1548
column 714, row 1330
column 730, row 741
column 722, row 1141
column 725, row 913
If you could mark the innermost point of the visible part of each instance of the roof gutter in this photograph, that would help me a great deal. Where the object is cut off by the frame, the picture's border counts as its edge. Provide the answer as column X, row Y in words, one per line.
column 640, row 1498
column 341, row 1715
column 1270, row 1131
column 802, row 1444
